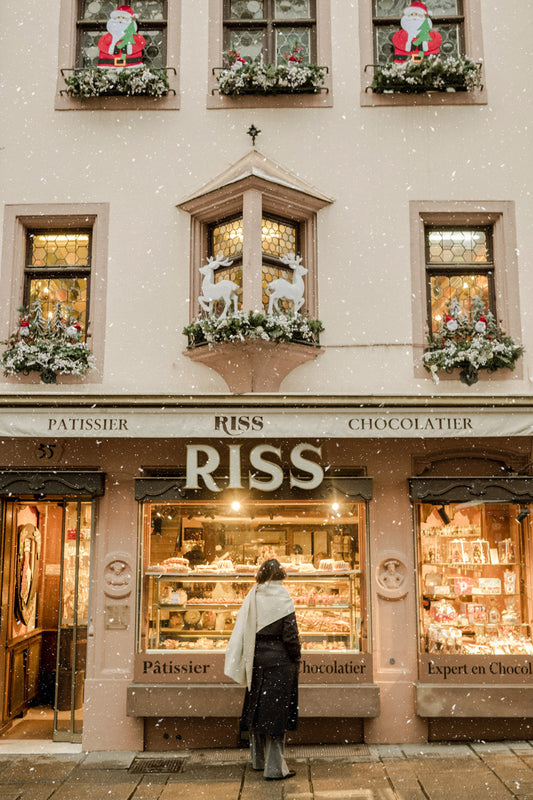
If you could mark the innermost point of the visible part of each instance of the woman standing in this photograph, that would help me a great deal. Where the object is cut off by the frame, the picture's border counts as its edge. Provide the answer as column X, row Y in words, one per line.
column 264, row 653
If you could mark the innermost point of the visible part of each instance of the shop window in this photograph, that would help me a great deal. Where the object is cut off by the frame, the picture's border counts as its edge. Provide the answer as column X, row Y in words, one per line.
column 460, row 267
column 263, row 32
column 57, row 270
column 474, row 562
column 55, row 253
column 200, row 560
column 462, row 251
column 84, row 22
column 451, row 28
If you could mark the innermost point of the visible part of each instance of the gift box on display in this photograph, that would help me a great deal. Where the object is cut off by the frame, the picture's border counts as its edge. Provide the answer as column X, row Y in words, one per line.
column 489, row 586
column 506, row 551
column 462, row 585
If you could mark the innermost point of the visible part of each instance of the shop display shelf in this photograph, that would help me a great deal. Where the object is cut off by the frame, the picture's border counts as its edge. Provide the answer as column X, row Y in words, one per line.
column 199, row 607
column 471, row 564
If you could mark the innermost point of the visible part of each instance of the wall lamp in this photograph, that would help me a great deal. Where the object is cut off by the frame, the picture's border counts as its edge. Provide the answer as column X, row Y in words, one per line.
column 523, row 514
column 443, row 515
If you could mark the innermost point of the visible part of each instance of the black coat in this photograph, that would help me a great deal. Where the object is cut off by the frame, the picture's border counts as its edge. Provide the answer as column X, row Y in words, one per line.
column 271, row 706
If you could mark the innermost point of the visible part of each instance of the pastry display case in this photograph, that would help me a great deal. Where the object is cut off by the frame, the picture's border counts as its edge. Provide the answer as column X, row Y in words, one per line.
column 473, row 578
column 196, row 611
column 200, row 560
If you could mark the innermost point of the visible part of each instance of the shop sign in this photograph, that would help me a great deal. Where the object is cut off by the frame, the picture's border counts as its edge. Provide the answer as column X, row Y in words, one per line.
column 263, row 459
column 476, row 669
column 208, row 667
column 286, row 423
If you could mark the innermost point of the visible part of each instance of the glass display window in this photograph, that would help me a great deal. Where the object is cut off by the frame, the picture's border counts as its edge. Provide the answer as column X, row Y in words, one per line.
column 199, row 561
column 474, row 582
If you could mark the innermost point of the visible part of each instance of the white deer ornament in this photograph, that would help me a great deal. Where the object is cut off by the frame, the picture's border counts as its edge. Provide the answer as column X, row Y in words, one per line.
column 280, row 289
column 224, row 291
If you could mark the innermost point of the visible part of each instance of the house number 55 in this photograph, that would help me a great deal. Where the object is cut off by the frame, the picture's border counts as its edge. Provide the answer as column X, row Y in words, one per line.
column 46, row 450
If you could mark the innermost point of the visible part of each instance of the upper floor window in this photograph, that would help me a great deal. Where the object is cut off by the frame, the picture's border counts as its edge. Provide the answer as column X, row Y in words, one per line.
column 114, row 56
column 57, row 254
column 269, row 53
column 264, row 30
column 279, row 238
column 459, row 266
column 421, row 53
column 400, row 29
column 95, row 17
column 254, row 254
column 465, row 283
column 57, row 270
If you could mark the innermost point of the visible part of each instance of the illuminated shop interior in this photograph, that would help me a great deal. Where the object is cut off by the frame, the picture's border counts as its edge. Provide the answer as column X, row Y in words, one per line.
column 199, row 560
column 474, row 581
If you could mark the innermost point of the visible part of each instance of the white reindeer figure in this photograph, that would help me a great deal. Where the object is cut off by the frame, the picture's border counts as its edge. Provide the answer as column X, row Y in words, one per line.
column 226, row 291
column 280, row 289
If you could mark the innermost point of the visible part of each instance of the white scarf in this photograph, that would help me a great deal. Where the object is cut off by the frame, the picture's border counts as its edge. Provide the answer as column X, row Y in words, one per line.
column 264, row 604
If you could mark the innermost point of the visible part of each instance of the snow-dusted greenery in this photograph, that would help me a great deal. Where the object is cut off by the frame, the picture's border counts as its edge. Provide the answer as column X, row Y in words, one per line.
column 470, row 344
column 48, row 346
column 98, row 82
column 430, row 74
column 243, row 326
column 240, row 77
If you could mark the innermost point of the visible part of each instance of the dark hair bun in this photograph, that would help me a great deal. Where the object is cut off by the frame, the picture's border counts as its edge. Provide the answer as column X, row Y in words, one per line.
column 270, row 570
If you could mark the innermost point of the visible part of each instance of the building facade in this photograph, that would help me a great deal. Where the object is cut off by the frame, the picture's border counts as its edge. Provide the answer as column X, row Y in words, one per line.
column 309, row 189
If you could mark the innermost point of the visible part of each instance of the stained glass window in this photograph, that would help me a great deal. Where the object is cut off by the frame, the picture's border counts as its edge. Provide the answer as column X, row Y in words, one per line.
column 459, row 265
column 446, row 16
column 150, row 17
column 279, row 238
column 265, row 31
column 226, row 238
column 58, row 269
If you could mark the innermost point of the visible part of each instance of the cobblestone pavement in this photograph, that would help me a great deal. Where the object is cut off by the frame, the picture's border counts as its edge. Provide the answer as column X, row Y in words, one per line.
column 477, row 771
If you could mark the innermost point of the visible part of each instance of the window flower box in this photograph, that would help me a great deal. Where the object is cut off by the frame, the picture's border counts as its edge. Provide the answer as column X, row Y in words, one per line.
column 470, row 344
column 254, row 352
column 291, row 77
column 431, row 74
column 99, row 82
column 49, row 347
column 239, row 327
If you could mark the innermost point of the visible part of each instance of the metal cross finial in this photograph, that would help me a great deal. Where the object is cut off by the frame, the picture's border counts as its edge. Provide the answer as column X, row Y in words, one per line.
column 253, row 132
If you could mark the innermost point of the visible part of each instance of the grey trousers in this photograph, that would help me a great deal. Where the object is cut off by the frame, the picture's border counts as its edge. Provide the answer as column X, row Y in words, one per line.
column 267, row 754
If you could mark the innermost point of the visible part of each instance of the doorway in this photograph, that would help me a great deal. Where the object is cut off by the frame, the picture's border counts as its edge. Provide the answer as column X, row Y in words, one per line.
column 43, row 630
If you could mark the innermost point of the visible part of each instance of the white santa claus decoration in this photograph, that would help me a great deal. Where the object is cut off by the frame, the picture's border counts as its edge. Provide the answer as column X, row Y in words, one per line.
column 417, row 39
column 121, row 46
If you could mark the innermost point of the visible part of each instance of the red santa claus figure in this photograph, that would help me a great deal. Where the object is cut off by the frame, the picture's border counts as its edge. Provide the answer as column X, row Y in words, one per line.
column 416, row 39
column 121, row 46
